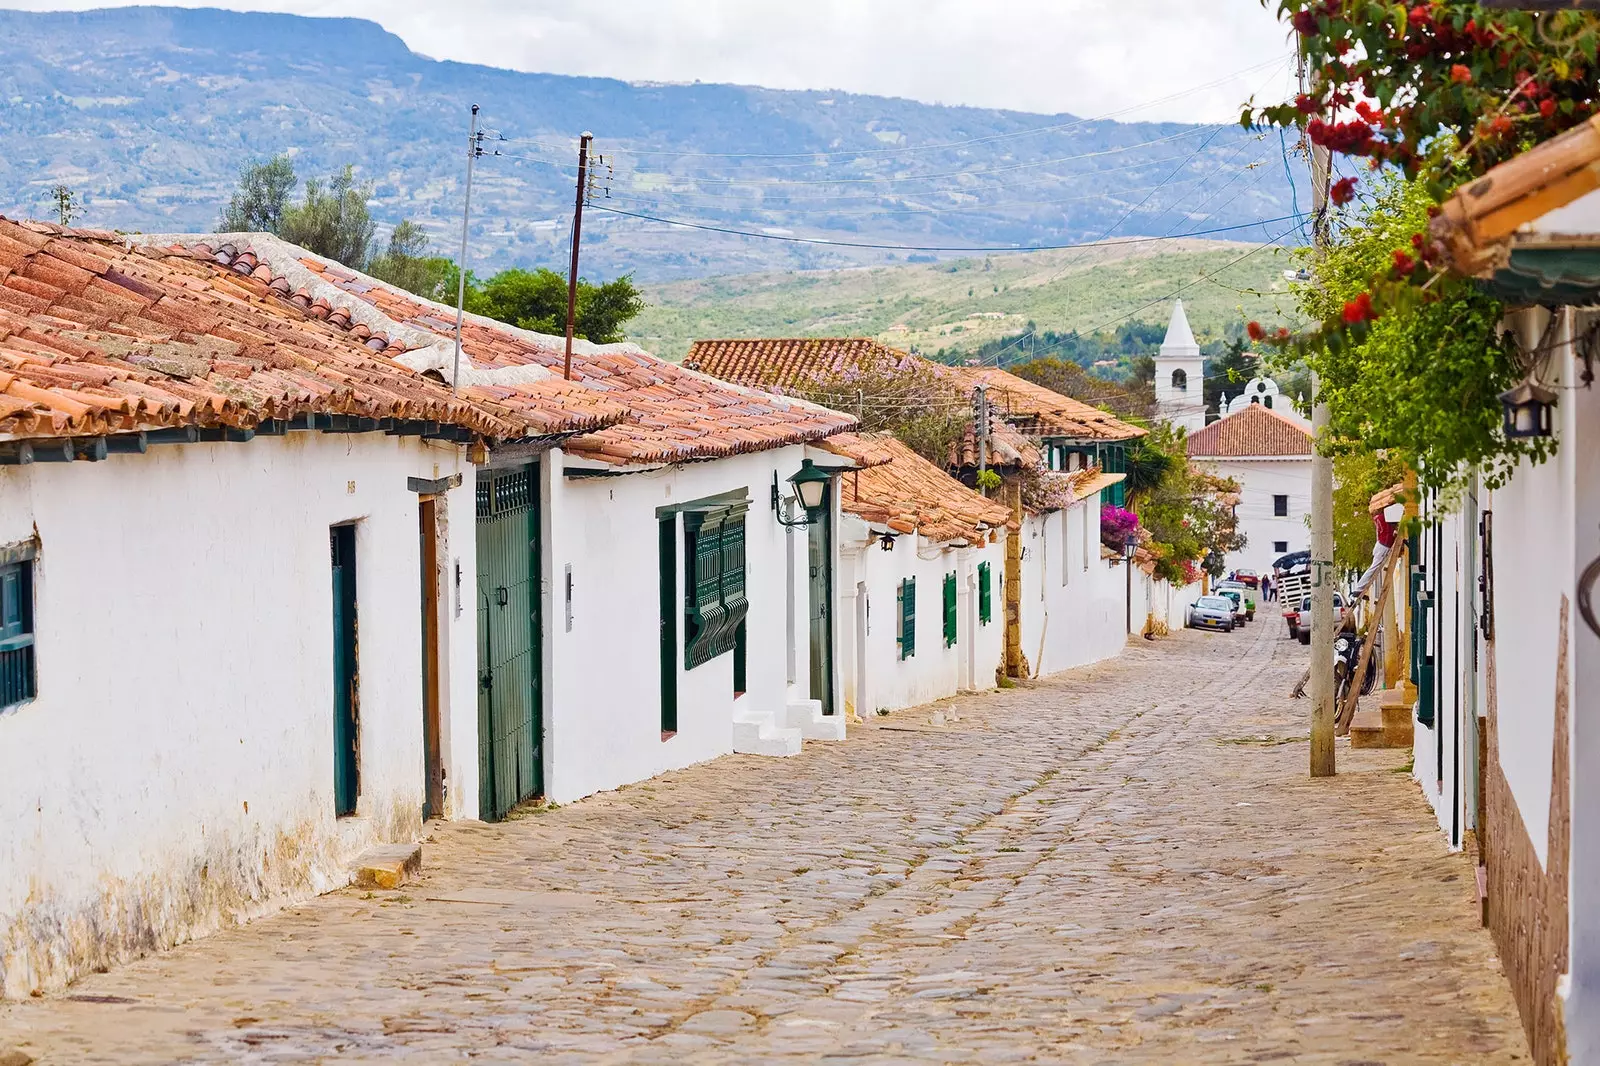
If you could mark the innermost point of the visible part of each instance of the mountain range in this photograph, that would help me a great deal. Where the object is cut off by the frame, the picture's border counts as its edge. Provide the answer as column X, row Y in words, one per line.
column 147, row 114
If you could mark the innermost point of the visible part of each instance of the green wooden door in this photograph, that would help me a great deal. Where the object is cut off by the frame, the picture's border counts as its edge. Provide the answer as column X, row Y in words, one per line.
column 346, row 682
column 510, row 726
column 820, row 549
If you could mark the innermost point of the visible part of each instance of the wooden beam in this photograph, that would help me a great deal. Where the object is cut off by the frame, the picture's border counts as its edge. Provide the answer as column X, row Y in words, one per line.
column 89, row 449
column 18, row 454
column 178, row 435
column 128, row 444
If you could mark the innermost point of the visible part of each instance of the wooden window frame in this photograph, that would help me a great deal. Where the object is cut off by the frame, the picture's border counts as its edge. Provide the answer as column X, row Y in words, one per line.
column 715, row 600
column 985, row 594
column 19, row 676
column 907, row 637
column 951, row 633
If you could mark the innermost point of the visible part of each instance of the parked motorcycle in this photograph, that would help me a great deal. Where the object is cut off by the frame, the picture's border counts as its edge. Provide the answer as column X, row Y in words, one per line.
column 1346, row 658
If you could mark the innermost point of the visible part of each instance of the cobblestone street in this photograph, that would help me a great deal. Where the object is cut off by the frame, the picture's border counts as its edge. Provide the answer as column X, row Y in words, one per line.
column 1122, row 864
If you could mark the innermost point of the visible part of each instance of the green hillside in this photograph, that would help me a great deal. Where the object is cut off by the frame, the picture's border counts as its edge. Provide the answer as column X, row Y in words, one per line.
column 959, row 304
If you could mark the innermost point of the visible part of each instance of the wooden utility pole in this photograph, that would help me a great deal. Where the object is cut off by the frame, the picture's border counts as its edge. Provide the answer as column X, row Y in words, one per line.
column 1322, row 573
column 474, row 149
column 577, row 235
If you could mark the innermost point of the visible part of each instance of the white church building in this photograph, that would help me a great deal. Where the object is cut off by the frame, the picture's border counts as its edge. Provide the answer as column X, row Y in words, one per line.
column 1181, row 375
column 1261, row 441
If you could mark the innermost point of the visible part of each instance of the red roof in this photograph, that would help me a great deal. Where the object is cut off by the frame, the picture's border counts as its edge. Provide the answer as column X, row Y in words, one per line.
column 1042, row 412
column 1254, row 431
column 909, row 494
column 674, row 414
column 787, row 361
column 99, row 337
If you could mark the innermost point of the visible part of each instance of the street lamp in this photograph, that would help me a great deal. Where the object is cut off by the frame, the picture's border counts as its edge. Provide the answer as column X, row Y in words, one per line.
column 1527, row 409
column 1129, row 546
column 810, row 483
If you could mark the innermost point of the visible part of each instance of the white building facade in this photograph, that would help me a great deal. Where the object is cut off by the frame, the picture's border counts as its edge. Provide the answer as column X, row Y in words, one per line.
column 1269, row 455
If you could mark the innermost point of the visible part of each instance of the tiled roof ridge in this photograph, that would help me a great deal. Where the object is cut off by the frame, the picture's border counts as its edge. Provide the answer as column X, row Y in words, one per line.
column 1233, row 436
column 905, row 493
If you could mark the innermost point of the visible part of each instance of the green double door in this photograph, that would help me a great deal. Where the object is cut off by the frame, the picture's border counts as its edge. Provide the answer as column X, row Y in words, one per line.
column 510, row 727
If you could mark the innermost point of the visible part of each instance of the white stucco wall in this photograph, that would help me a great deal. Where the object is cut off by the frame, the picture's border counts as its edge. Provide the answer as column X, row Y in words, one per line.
column 602, row 692
column 1259, row 481
column 1074, row 604
column 176, row 770
column 934, row 671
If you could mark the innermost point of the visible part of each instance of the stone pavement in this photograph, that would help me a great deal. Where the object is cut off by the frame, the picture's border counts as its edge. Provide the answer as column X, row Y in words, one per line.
column 1122, row 864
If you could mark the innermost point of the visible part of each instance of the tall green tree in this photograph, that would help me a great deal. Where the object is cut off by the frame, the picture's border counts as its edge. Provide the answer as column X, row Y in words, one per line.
column 258, row 202
column 332, row 220
column 407, row 264
column 537, row 300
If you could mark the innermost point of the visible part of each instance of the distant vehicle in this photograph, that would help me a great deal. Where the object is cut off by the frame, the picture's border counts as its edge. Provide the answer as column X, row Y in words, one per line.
column 1292, row 588
column 1235, row 597
column 1245, row 592
column 1211, row 612
column 1300, row 624
column 1248, row 577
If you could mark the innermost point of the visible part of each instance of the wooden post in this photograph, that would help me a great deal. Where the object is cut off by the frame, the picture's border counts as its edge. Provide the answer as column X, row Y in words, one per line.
column 1012, row 497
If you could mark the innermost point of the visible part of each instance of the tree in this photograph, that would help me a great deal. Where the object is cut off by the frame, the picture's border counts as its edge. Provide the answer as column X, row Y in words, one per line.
column 537, row 300
column 333, row 220
column 258, row 203
column 66, row 204
column 1187, row 512
column 407, row 265
column 1070, row 379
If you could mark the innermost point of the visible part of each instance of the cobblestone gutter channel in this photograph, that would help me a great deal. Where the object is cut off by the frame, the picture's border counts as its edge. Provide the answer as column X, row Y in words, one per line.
column 1125, row 863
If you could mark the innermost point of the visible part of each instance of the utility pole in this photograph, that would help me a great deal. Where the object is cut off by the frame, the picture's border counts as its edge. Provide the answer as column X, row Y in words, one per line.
column 1322, row 634
column 474, row 149
column 980, row 400
column 577, row 235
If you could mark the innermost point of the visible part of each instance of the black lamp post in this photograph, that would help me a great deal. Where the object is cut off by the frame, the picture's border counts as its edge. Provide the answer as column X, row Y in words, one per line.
column 1528, row 410
column 1129, row 546
column 810, row 483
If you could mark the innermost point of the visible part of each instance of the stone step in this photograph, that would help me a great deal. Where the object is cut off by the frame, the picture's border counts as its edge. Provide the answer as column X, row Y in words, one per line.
column 762, row 738
column 807, row 716
column 1371, row 728
column 388, row 866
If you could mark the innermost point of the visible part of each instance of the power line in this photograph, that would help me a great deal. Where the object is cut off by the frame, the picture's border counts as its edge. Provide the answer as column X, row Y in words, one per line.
column 934, row 247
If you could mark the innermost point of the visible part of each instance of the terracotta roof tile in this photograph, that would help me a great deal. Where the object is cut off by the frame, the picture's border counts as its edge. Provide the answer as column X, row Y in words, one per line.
column 788, row 362
column 908, row 493
column 99, row 338
column 675, row 414
column 1252, row 431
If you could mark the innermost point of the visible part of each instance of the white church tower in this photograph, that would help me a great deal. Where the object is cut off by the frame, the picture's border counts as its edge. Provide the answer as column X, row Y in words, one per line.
column 1180, row 375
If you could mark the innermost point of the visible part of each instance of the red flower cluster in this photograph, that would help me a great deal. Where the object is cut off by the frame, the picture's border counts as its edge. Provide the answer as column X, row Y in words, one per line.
column 1360, row 309
column 1347, row 138
column 1343, row 191
column 1403, row 263
column 1256, row 332
column 1461, row 74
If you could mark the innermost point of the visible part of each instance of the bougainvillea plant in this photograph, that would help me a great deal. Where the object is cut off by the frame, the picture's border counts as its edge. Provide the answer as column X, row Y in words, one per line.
column 1437, row 88
column 1116, row 525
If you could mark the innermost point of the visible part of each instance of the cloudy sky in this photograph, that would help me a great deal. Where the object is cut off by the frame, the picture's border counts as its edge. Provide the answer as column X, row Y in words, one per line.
column 1196, row 59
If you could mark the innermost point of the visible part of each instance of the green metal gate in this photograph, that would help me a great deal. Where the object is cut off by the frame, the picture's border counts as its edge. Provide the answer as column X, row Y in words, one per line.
column 510, row 733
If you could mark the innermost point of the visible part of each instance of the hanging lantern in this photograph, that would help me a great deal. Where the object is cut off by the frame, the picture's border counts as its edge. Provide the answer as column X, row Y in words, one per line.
column 809, row 483
column 1528, row 410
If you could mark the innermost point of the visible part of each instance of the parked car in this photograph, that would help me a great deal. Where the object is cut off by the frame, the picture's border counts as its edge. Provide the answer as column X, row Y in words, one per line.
column 1210, row 612
column 1245, row 592
column 1249, row 578
column 1300, row 623
column 1235, row 597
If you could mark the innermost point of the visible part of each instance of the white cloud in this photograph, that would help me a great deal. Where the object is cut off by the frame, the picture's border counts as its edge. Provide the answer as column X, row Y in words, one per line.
column 1087, row 57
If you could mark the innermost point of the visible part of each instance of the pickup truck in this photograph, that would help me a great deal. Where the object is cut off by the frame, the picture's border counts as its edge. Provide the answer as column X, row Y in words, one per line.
column 1292, row 588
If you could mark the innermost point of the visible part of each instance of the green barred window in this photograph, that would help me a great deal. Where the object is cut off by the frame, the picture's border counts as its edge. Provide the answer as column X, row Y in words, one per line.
column 714, row 594
column 17, row 681
column 985, row 596
column 908, row 618
column 950, row 609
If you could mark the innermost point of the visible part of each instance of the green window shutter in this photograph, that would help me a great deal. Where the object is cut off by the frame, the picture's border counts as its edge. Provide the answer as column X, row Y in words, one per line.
column 908, row 618
column 735, row 605
column 703, row 590
column 985, row 596
column 950, row 609
column 18, row 682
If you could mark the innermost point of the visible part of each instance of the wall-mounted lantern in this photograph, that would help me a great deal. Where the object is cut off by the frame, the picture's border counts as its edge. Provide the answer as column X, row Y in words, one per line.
column 1129, row 547
column 1528, row 410
column 810, row 483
